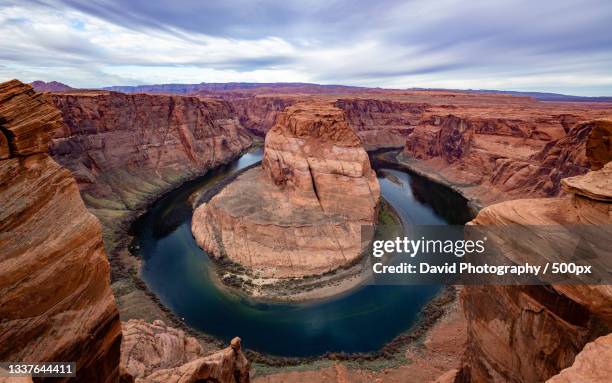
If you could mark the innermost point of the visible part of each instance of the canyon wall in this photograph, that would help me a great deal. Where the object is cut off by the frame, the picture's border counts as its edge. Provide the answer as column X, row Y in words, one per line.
column 305, row 205
column 258, row 113
column 379, row 123
column 529, row 333
column 491, row 158
column 504, row 127
column 125, row 150
column 382, row 123
column 55, row 297
column 592, row 364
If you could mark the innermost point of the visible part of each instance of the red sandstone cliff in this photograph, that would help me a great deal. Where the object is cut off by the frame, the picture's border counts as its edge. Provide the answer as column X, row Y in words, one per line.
column 55, row 299
column 258, row 113
column 382, row 123
column 529, row 333
column 490, row 159
column 592, row 364
column 125, row 150
column 504, row 126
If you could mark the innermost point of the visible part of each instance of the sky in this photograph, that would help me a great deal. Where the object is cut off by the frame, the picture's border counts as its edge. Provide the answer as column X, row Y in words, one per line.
column 561, row 46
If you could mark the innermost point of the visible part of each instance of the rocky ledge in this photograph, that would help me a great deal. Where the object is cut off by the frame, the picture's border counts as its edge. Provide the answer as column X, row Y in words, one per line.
column 154, row 352
column 302, row 211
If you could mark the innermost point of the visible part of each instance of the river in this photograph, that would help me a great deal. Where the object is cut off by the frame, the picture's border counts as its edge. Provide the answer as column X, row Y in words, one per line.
column 361, row 320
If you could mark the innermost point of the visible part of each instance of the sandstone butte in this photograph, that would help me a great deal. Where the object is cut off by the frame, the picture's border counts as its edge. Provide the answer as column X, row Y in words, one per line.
column 55, row 298
column 305, row 206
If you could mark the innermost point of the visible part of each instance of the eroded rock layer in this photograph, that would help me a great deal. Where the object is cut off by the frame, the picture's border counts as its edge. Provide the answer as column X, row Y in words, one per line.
column 530, row 333
column 304, row 207
column 55, row 299
column 382, row 123
column 125, row 150
column 258, row 113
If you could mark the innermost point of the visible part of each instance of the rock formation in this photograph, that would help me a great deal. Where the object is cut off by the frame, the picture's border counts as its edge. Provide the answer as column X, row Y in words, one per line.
column 158, row 353
column 55, row 299
column 592, row 364
column 125, row 150
column 147, row 347
column 571, row 155
column 379, row 123
column 530, row 333
column 304, row 207
column 494, row 159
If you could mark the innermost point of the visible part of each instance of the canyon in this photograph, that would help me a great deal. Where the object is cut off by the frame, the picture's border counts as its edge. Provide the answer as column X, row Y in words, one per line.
column 306, row 205
column 56, row 302
column 122, row 151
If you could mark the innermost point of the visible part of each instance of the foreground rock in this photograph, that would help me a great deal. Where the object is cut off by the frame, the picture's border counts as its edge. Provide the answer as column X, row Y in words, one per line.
column 148, row 347
column 592, row 364
column 300, row 213
column 55, row 299
column 158, row 353
column 125, row 150
column 530, row 333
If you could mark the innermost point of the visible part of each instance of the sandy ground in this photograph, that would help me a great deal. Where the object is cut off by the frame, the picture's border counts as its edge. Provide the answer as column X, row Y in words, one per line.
column 440, row 351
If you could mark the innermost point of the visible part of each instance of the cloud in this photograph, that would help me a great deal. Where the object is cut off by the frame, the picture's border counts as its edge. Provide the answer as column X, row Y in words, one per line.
column 549, row 45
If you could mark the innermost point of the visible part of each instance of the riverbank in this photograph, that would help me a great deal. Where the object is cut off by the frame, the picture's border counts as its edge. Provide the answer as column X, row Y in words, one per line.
column 430, row 347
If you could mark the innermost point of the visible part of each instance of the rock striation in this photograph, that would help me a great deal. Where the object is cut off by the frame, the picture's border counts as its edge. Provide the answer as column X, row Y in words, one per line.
column 125, row 150
column 382, row 123
column 158, row 353
column 530, row 333
column 305, row 206
column 55, row 297
column 258, row 113
column 496, row 159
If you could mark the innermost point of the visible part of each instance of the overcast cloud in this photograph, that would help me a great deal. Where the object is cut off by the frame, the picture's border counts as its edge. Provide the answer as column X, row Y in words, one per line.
column 560, row 46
